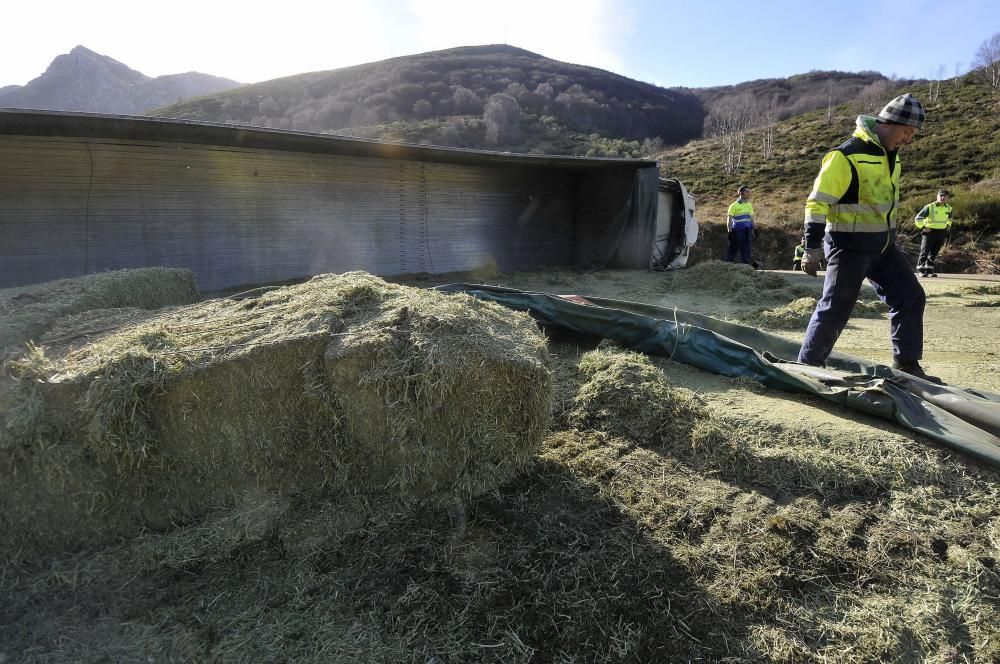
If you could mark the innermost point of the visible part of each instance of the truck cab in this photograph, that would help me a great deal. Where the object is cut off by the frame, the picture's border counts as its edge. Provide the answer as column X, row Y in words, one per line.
column 676, row 226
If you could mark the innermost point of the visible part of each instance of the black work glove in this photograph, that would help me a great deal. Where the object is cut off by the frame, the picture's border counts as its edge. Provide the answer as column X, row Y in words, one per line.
column 732, row 235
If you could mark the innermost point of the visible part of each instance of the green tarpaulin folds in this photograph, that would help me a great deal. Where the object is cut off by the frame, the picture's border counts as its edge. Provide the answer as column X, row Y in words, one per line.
column 965, row 420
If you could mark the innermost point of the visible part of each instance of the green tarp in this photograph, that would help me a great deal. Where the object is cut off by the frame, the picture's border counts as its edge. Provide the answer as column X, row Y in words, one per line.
column 965, row 420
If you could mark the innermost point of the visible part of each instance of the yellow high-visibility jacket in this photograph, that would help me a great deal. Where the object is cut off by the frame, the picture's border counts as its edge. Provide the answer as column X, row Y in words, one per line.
column 741, row 212
column 934, row 215
column 855, row 196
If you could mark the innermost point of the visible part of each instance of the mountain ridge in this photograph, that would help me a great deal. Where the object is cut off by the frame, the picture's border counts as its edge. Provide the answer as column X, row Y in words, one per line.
column 86, row 81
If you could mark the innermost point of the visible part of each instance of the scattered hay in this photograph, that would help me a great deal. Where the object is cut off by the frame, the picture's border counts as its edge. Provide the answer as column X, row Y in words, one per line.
column 27, row 312
column 736, row 280
column 624, row 394
column 981, row 289
column 796, row 314
column 341, row 384
column 994, row 302
column 740, row 540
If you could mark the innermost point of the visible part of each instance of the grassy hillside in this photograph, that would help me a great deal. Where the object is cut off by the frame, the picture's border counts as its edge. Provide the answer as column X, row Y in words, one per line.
column 801, row 93
column 958, row 148
column 476, row 96
column 502, row 97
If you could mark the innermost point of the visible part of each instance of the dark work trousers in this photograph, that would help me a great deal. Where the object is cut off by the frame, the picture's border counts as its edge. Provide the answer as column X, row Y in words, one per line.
column 895, row 284
column 740, row 240
column 930, row 244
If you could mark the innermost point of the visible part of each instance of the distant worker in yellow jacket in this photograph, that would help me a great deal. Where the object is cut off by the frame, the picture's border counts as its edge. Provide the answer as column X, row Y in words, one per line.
column 800, row 251
column 933, row 221
column 739, row 223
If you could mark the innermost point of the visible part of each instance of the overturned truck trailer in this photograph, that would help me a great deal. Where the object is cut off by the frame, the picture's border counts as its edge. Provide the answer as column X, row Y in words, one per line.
column 83, row 193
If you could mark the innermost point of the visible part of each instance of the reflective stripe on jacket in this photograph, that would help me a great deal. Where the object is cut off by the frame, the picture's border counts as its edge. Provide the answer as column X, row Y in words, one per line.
column 742, row 214
column 934, row 216
column 854, row 198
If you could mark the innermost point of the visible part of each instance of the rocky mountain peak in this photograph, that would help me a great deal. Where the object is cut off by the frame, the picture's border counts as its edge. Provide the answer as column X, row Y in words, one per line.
column 84, row 80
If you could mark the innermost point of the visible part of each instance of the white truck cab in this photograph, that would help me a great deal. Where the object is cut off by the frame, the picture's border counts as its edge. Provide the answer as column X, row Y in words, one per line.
column 676, row 226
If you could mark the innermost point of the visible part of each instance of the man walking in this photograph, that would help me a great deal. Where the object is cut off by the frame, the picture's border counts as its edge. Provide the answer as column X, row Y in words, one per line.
column 851, row 214
column 934, row 221
column 739, row 223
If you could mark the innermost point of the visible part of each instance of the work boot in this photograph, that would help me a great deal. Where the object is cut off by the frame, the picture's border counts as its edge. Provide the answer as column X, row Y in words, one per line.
column 913, row 368
column 932, row 274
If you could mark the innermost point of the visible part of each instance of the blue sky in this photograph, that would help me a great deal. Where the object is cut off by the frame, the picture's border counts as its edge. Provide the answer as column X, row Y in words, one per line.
column 670, row 43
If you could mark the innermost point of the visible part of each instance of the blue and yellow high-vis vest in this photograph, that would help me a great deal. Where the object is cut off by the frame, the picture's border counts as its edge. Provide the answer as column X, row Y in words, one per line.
column 936, row 216
column 742, row 213
column 855, row 196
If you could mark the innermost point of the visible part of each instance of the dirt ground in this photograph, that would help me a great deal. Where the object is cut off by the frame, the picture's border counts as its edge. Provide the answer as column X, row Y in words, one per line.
column 671, row 515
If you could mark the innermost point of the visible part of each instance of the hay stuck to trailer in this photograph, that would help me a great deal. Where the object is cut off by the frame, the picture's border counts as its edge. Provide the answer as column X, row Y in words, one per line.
column 342, row 384
column 27, row 312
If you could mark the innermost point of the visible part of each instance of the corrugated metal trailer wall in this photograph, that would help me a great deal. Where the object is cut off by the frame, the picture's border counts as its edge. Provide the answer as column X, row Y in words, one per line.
column 83, row 194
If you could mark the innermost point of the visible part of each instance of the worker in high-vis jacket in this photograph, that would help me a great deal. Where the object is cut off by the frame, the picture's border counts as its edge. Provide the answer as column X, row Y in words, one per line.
column 933, row 220
column 851, row 218
column 800, row 251
column 739, row 223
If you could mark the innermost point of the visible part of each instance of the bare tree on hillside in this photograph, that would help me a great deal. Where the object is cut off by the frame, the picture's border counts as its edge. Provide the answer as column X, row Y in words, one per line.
column 828, row 92
column 765, row 116
column 874, row 96
column 652, row 146
column 502, row 118
column 729, row 120
column 988, row 60
column 934, row 87
column 466, row 102
column 959, row 73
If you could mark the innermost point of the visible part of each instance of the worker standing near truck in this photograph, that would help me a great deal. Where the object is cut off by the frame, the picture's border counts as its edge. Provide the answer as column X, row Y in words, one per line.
column 740, row 224
column 933, row 221
column 851, row 214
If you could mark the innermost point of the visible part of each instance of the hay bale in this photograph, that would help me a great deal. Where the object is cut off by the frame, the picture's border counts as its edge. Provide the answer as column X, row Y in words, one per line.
column 28, row 311
column 343, row 384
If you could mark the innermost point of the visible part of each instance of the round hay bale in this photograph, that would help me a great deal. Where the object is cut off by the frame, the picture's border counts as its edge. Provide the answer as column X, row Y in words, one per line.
column 343, row 384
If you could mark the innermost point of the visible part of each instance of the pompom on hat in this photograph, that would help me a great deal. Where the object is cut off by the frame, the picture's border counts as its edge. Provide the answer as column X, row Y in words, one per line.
column 905, row 110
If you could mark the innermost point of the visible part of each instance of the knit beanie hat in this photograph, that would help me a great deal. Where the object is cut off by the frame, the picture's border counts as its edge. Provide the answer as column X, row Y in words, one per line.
column 905, row 110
